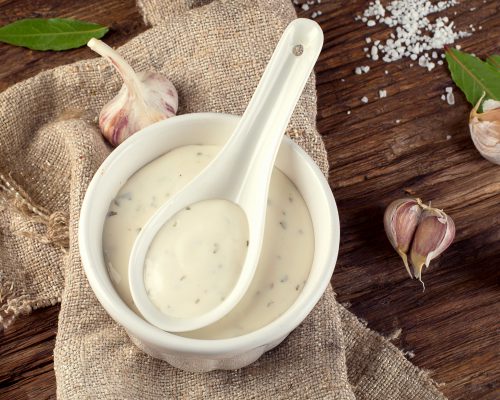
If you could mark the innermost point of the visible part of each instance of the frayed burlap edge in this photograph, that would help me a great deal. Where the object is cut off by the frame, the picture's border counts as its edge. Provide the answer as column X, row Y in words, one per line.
column 54, row 225
column 48, row 228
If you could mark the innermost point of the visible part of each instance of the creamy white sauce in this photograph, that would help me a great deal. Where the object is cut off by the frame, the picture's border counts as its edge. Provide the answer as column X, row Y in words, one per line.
column 285, row 260
column 196, row 258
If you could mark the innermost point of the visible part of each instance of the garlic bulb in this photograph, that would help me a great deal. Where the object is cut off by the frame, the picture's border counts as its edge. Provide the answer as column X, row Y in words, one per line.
column 485, row 129
column 420, row 230
column 144, row 98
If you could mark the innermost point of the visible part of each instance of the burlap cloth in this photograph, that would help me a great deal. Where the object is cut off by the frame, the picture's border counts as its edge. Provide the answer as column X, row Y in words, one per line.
column 50, row 145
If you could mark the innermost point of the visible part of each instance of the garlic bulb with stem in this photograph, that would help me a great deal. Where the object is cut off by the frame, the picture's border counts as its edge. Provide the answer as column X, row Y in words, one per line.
column 419, row 231
column 145, row 98
column 485, row 129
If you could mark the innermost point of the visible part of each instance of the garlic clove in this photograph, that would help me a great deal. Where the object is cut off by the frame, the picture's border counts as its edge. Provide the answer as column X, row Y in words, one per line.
column 144, row 98
column 400, row 222
column 434, row 234
column 485, row 129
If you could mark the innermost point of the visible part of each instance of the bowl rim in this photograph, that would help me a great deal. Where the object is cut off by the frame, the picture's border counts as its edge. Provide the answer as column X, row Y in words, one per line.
column 144, row 331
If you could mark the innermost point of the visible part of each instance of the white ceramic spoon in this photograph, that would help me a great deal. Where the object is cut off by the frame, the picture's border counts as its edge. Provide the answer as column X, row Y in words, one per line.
column 240, row 173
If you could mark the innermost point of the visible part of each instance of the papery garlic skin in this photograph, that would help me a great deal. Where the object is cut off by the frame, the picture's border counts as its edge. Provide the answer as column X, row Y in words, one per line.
column 485, row 129
column 144, row 98
column 434, row 234
column 400, row 222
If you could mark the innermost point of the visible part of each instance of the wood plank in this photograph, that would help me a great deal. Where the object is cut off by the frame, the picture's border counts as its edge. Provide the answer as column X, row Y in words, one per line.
column 452, row 327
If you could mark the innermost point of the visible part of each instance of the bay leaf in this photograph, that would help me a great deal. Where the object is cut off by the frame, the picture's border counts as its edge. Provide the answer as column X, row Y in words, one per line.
column 50, row 34
column 473, row 76
column 494, row 61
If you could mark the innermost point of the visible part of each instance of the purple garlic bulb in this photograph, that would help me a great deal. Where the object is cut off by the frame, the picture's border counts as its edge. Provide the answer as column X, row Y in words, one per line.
column 145, row 98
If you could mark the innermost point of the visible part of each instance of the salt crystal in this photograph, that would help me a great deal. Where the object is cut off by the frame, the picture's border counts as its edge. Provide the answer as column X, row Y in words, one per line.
column 443, row 97
column 364, row 99
column 450, row 98
column 349, row 112
column 368, row 40
column 305, row 7
column 386, row 72
column 448, row 89
column 398, row 121
column 448, row 137
column 382, row 93
column 370, row 23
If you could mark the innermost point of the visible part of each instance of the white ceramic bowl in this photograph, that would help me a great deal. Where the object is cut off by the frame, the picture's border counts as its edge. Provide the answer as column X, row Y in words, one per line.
column 194, row 354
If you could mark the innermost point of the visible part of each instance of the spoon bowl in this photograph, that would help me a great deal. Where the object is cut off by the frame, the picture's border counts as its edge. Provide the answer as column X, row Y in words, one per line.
column 240, row 173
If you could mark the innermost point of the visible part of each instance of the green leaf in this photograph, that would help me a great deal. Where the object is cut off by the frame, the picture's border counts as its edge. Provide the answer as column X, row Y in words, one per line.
column 50, row 34
column 473, row 76
column 494, row 61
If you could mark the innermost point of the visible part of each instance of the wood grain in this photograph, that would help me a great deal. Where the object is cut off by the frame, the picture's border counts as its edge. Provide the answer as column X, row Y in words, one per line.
column 453, row 327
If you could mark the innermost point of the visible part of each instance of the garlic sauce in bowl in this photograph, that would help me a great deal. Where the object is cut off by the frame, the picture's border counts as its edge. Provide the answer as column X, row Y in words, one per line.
column 223, row 346
column 189, row 273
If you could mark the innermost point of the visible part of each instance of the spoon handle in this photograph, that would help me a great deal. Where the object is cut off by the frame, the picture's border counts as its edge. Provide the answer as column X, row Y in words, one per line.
column 261, row 128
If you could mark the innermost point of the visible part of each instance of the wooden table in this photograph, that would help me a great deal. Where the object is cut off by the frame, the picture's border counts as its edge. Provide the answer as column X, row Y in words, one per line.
column 409, row 142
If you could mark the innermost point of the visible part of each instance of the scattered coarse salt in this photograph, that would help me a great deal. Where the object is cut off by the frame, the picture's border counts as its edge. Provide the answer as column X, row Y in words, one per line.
column 361, row 70
column 443, row 97
column 349, row 112
column 382, row 93
column 307, row 5
column 448, row 89
column 413, row 34
column 448, row 137
column 398, row 121
column 364, row 99
column 368, row 40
